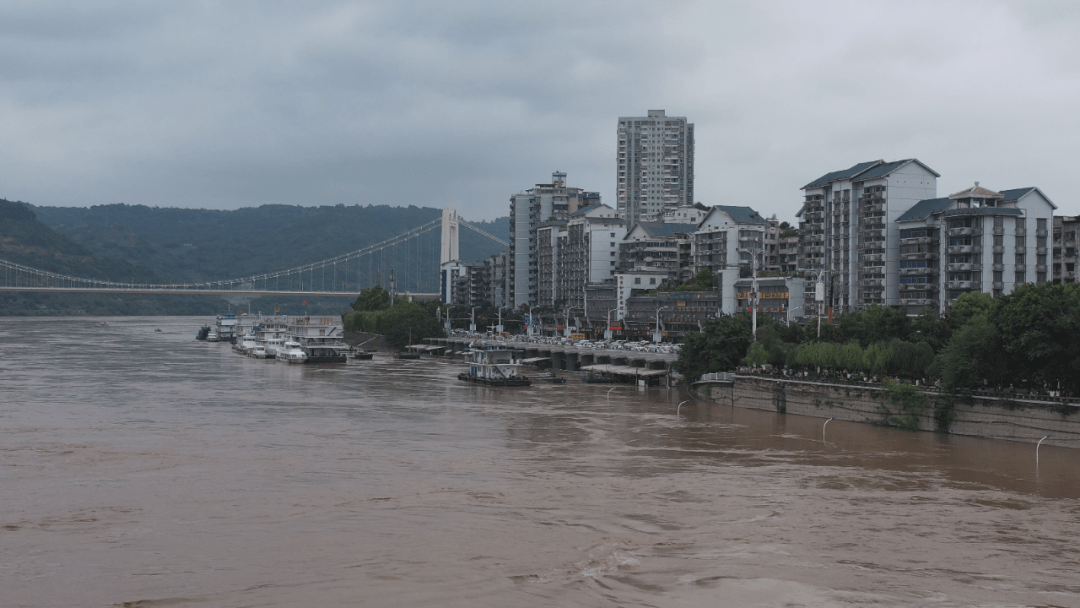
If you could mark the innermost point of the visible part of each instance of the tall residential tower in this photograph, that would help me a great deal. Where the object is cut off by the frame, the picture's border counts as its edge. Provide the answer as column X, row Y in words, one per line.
column 655, row 166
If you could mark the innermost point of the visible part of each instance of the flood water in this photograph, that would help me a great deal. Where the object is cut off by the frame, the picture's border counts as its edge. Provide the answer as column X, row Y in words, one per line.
column 143, row 468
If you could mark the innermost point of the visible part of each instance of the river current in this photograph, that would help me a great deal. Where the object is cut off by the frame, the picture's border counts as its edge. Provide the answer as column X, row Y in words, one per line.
column 144, row 468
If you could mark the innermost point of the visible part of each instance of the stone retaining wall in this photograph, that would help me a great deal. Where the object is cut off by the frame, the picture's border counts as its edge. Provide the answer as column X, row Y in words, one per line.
column 995, row 418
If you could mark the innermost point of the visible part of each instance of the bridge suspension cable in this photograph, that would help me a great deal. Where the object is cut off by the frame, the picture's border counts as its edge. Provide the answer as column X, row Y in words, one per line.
column 25, row 277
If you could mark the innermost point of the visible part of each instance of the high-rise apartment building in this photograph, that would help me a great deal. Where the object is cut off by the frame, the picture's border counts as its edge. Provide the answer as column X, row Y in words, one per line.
column 975, row 240
column 850, row 238
column 1066, row 258
column 528, row 211
column 655, row 166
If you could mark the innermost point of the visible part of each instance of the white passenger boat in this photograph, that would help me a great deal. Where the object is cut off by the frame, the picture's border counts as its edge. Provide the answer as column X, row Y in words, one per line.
column 493, row 365
column 259, row 352
column 292, row 353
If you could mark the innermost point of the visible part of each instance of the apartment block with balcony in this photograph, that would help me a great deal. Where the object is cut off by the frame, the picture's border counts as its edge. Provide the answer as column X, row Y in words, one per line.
column 528, row 210
column 591, row 253
column 976, row 240
column 849, row 237
column 655, row 166
column 781, row 298
column 550, row 244
column 727, row 237
column 1066, row 237
column 655, row 247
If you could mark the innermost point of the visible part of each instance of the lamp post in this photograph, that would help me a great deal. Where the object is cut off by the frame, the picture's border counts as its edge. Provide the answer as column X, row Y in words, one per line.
column 607, row 328
column 656, row 334
column 529, row 324
column 754, row 301
column 790, row 316
column 472, row 319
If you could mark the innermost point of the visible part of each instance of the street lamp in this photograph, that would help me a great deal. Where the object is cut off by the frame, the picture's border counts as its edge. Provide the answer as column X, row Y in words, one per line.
column 472, row 319
column 529, row 325
column 754, row 252
column 656, row 334
column 607, row 328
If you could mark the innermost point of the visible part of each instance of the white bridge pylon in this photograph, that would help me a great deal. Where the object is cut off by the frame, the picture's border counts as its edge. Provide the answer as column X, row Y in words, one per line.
column 449, row 250
column 15, row 277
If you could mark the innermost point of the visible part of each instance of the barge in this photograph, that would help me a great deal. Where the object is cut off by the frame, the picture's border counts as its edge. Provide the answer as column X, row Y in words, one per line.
column 493, row 365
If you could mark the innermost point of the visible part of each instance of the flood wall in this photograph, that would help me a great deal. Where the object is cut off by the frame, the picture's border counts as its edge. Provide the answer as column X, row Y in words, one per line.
column 1011, row 419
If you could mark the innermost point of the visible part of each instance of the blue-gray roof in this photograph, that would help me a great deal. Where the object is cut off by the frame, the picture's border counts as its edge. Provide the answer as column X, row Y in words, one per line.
column 923, row 209
column 742, row 215
column 585, row 210
column 844, row 174
column 658, row 229
column 1015, row 194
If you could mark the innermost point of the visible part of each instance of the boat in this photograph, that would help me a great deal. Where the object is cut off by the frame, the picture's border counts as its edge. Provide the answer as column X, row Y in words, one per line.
column 407, row 356
column 259, row 352
column 226, row 327
column 319, row 338
column 203, row 332
column 493, row 365
column 362, row 355
column 292, row 353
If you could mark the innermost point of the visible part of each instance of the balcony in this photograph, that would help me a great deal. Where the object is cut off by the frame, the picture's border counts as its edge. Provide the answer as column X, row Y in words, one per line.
column 960, row 266
column 1021, row 232
column 871, row 282
column 959, row 284
column 999, row 267
column 998, row 249
column 961, row 248
column 872, row 208
column 904, row 287
column 918, row 240
column 873, row 257
column 916, row 302
column 917, row 271
column 922, row 255
column 998, row 285
column 1040, row 232
column 962, row 231
column 1040, row 268
column 998, row 231
column 1040, row 250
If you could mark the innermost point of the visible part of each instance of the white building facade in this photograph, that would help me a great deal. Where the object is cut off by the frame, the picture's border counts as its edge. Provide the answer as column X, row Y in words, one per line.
column 850, row 241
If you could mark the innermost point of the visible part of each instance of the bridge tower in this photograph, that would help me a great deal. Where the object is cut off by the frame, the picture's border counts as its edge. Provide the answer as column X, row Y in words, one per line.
column 450, row 266
column 450, row 224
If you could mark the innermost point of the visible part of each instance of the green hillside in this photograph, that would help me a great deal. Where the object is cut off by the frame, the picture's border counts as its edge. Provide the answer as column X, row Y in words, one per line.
column 136, row 243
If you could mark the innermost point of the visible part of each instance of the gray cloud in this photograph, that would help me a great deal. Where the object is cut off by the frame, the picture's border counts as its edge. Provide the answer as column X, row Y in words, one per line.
column 432, row 103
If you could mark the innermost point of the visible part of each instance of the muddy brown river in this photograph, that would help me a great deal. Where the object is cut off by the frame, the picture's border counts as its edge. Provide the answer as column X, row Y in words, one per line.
column 143, row 468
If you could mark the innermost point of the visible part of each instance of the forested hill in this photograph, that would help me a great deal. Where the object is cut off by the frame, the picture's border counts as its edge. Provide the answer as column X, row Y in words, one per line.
column 200, row 244
column 25, row 240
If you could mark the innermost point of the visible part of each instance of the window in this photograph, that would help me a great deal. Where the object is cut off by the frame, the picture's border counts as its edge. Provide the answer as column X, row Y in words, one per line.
column 652, row 281
column 1021, row 277
column 998, row 276
column 1020, row 261
column 1021, row 242
column 913, row 264
column 999, row 258
column 637, row 280
column 999, row 241
column 999, row 222
column 1021, row 223
column 1040, row 259
column 1040, row 277
column 1041, row 223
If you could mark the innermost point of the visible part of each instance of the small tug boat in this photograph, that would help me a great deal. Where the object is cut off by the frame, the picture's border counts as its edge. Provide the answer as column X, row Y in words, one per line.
column 493, row 365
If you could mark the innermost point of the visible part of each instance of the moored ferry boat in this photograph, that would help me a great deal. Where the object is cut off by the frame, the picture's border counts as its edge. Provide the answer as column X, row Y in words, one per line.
column 225, row 327
column 319, row 338
column 493, row 365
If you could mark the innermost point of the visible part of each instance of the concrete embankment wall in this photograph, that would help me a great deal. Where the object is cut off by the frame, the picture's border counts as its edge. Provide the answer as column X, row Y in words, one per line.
column 995, row 418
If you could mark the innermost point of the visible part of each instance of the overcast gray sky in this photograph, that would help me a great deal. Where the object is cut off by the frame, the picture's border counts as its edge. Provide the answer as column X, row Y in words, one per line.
column 236, row 104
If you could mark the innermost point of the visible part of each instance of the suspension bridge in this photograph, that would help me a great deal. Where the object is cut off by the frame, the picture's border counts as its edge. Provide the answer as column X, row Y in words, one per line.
column 332, row 277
